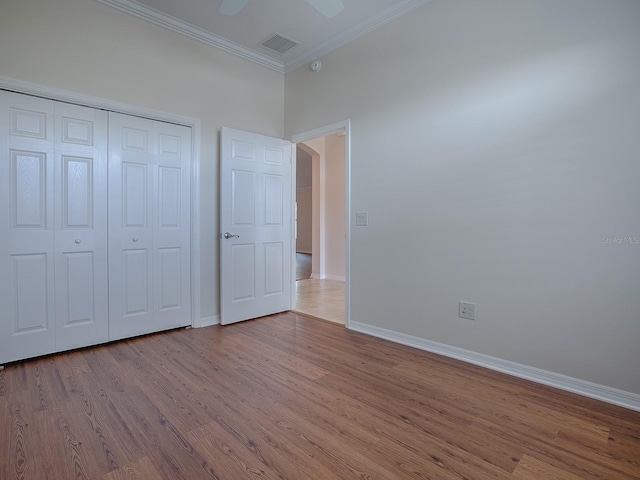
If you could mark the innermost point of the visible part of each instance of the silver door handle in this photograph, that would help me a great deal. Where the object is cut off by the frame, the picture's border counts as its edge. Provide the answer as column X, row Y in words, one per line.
column 228, row 235
column 135, row 239
column 77, row 241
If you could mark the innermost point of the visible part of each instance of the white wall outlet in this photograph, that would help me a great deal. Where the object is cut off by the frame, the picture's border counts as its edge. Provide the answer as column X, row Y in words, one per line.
column 362, row 219
column 467, row 310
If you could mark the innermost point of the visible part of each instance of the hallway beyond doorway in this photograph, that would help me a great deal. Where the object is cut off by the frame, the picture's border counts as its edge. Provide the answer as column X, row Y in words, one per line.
column 303, row 266
column 323, row 299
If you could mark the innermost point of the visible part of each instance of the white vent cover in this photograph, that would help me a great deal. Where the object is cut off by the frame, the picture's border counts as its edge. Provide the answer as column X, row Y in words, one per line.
column 279, row 43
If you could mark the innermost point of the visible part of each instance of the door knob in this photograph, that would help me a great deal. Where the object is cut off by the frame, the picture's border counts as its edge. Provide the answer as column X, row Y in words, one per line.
column 135, row 239
column 228, row 235
column 77, row 241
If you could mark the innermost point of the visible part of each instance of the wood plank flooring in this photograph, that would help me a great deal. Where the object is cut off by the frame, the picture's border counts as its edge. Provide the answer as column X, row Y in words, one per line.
column 289, row 397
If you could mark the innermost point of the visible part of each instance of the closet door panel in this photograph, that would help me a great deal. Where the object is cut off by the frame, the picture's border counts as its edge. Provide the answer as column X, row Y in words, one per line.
column 81, row 283
column 132, row 148
column 149, row 225
column 172, row 236
column 27, row 324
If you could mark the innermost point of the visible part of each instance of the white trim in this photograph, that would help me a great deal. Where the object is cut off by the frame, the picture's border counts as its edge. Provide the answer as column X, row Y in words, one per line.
column 395, row 11
column 321, row 132
column 28, row 88
column 336, row 278
column 203, row 36
column 209, row 321
column 575, row 385
column 328, row 276
column 199, row 35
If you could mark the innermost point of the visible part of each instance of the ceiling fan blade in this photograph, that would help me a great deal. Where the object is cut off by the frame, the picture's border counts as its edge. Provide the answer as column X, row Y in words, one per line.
column 328, row 8
column 232, row 7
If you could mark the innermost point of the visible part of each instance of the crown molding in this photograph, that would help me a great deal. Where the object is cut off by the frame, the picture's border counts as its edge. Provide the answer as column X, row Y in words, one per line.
column 171, row 23
column 199, row 35
column 357, row 31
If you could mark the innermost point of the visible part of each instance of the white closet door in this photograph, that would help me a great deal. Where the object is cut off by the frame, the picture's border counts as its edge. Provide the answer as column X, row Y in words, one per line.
column 81, row 287
column 172, row 227
column 27, row 323
column 149, row 226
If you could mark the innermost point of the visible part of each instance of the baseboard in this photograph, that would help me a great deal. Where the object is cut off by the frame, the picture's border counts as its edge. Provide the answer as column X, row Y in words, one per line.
column 208, row 321
column 308, row 252
column 581, row 387
column 327, row 276
column 337, row 278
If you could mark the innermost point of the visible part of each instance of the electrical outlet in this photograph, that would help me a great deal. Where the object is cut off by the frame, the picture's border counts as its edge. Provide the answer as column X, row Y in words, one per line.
column 467, row 310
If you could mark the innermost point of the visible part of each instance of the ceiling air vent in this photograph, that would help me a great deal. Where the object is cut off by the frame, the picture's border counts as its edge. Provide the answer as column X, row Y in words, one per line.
column 279, row 44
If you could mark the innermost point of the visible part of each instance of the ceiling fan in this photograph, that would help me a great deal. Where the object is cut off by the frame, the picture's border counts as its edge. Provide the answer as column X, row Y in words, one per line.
column 328, row 8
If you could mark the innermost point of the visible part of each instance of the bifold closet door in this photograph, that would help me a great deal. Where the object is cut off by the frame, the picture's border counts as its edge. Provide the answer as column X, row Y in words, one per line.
column 149, row 226
column 53, row 255
column 26, row 219
column 80, row 213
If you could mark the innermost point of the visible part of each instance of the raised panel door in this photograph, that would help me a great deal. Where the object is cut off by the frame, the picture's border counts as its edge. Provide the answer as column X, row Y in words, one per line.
column 27, row 324
column 172, row 226
column 149, row 226
column 130, row 171
column 81, row 286
column 255, row 200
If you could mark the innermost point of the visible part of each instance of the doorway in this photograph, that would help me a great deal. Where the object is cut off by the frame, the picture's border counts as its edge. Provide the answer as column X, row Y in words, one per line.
column 322, row 225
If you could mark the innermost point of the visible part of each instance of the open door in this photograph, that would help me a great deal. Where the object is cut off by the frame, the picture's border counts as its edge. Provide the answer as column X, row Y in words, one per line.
column 255, row 226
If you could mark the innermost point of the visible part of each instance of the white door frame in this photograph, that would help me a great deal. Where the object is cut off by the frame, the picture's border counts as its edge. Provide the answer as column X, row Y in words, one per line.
column 344, row 126
column 37, row 90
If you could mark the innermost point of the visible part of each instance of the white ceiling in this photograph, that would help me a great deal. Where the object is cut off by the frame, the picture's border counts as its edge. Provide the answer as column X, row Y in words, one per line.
column 243, row 34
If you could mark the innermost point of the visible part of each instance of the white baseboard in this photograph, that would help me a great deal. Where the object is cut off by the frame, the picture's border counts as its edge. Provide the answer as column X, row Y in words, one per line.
column 327, row 276
column 575, row 385
column 337, row 278
column 208, row 321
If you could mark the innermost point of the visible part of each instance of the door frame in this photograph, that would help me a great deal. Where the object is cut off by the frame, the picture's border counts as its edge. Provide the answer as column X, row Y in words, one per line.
column 28, row 88
column 343, row 126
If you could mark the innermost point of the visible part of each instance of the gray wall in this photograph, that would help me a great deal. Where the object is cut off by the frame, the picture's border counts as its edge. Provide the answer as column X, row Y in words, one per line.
column 495, row 145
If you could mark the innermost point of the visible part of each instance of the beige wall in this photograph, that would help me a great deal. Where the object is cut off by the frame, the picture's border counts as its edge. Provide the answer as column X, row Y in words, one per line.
column 88, row 48
column 304, row 179
column 329, row 206
column 495, row 145
column 335, row 201
column 305, row 217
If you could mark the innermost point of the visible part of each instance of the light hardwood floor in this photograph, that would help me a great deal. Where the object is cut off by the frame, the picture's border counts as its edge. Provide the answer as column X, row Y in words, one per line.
column 324, row 299
column 289, row 397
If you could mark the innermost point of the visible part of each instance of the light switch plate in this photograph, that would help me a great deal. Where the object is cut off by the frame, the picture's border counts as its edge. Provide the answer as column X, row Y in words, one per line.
column 362, row 219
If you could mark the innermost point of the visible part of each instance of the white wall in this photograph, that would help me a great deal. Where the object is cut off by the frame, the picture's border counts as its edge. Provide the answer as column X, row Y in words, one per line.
column 494, row 144
column 88, row 48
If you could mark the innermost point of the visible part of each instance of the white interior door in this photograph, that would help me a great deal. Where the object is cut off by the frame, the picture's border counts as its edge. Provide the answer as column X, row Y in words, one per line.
column 255, row 225
column 80, row 210
column 149, row 226
column 27, row 325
